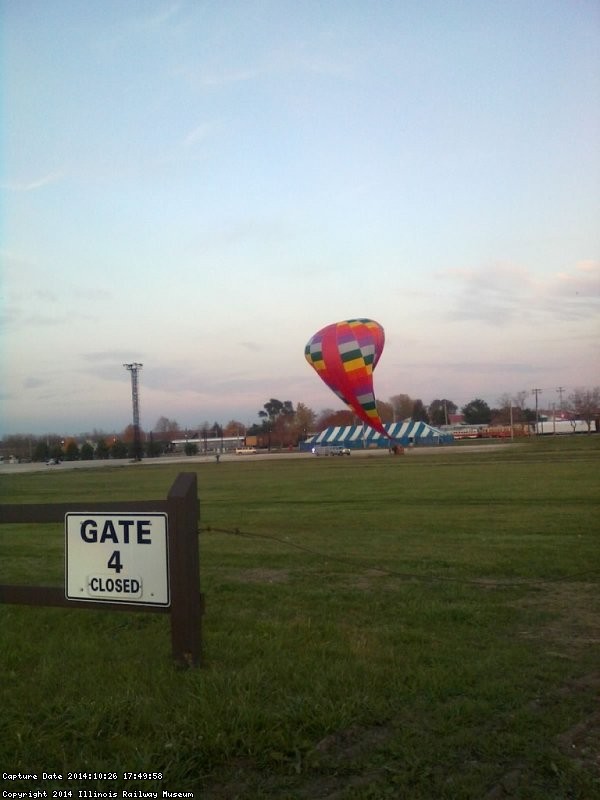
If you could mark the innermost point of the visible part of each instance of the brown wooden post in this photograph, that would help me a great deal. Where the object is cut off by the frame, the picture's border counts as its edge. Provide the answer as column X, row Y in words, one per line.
column 183, row 511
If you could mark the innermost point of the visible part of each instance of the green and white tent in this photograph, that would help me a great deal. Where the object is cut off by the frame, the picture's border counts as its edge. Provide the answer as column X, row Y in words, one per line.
column 358, row 437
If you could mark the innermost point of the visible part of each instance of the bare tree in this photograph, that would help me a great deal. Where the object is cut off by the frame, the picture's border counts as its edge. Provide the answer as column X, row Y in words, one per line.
column 329, row 418
column 385, row 411
column 304, row 420
column 166, row 425
column 234, row 428
column 513, row 408
column 402, row 406
column 585, row 405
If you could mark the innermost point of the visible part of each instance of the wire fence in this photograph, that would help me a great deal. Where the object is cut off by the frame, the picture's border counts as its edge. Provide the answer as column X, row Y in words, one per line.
column 486, row 583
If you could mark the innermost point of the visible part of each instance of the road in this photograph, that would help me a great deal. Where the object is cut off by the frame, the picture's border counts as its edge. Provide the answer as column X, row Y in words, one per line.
column 205, row 459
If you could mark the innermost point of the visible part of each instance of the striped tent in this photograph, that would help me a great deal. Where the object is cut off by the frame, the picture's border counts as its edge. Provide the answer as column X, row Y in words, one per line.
column 358, row 437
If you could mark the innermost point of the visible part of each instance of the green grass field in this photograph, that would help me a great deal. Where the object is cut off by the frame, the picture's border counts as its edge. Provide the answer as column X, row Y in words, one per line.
column 419, row 627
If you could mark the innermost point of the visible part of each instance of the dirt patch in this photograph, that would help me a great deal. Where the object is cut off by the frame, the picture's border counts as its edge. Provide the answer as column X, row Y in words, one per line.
column 365, row 581
column 573, row 616
column 354, row 741
column 582, row 741
column 571, row 625
column 335, row 787
column 259, row 575
column 506, row 786
column 328, row 760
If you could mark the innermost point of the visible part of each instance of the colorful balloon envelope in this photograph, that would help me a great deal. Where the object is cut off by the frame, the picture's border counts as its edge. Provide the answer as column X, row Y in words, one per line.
column 344, row 356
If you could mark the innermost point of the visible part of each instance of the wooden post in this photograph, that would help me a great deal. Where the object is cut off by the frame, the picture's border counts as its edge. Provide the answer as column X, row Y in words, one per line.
column 184, row 569
column 183, row 511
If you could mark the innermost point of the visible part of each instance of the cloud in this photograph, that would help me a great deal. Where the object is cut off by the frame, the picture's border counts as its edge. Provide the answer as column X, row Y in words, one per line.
column 503, row 293
column 66, row 317
column 34, row 383
column 306, row 60
column 227, row 77
column 10, row 315
column 92, row 294
column 108, row 366
column 36, row 183
column 119, row 356
column 202, row 78
column 45, row 296
column 582, row 281
column 491, row 367
column 162, row 17
column 293, row 59
column 45, row 307
column 250, row 229
column 252, row 346
column 17, row 315
column 128, row 31
column 15, row 261
column 198, row 134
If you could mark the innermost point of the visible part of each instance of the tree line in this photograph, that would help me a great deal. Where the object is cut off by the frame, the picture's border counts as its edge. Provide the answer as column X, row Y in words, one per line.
column 281, row 424
column 280, row 416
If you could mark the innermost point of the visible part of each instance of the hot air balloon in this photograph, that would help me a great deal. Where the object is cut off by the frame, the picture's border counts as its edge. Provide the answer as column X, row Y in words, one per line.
column 344, row 356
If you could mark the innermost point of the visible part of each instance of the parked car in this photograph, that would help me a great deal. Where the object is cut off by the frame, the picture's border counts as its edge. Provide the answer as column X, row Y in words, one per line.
column 331, row 451
column 245, row 451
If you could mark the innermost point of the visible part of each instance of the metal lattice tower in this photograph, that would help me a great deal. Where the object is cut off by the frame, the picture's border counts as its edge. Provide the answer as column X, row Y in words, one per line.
column 135, row 398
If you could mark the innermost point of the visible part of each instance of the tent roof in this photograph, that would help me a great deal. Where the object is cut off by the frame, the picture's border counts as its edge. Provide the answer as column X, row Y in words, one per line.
column 401, row 431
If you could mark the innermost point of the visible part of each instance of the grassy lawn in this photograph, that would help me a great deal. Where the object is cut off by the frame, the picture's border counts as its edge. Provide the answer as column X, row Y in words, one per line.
column 417, row 627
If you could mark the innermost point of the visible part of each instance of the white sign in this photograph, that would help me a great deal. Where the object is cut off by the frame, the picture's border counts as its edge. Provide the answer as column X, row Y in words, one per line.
column 117, row 557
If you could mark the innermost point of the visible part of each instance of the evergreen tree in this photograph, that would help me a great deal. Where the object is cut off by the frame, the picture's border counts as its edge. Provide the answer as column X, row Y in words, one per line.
column 419, row 412
column 477, row 412
column 87, row 452
column 440, row 410
column 102, row 449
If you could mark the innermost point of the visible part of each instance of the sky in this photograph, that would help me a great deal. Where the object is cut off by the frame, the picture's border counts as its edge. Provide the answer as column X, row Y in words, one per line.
column 201, row 186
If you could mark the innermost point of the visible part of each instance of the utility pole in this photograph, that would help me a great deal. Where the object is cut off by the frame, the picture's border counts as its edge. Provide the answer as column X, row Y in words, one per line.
column 536, row 392
column 560, row 391
column 137, row 443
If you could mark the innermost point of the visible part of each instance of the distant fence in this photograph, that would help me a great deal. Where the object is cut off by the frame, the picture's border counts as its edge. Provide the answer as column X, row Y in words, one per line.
column 186, row 603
